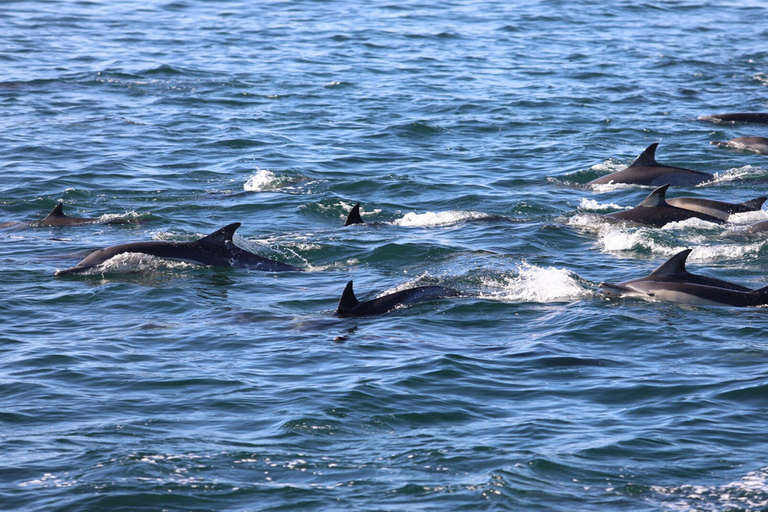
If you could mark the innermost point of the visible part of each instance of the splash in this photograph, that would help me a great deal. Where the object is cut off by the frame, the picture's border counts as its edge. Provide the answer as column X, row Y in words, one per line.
column 265, row 180
column 431, row 219
column 131, row 262
column 748, row 493
column 745, row 173
column 535, row 284
column 591, row 205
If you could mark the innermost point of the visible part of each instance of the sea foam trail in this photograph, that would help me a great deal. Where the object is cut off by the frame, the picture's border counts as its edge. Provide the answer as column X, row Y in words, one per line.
column 535, row 284
column 431, row 219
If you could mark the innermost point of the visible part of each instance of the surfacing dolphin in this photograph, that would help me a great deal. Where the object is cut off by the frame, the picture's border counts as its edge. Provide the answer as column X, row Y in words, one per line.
column 737, row 117
column 58, row 218
column 753, row 144
column 655, row 211
column 216, row 249
column 645, row 170
column 354, row 216
column 672, row 282
column 349, row 306
column 718, row 209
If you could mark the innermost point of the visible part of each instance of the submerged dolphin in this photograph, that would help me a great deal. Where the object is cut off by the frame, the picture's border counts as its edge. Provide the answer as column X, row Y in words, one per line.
column 215, row 249
column 655, row 211
column 738, row 117
column 672, row 282
column 645, row 170
column 717, row 209
column 349, row 306
column 755, row 144
column 758, row 228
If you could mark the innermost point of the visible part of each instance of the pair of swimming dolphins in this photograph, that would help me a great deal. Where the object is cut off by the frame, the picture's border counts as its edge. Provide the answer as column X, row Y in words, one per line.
column 219, row 249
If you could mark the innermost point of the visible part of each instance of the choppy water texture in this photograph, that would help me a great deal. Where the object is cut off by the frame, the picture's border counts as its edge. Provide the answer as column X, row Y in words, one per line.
column 467, row 131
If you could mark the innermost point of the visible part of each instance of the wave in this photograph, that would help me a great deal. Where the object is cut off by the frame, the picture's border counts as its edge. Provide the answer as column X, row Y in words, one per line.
column 748, row 493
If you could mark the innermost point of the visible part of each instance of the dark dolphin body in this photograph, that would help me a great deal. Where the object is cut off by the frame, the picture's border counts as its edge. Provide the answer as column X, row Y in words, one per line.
column 645, row 170
column 216, row 249
column 739, row 117
column 58, row 218
column 754, row 144
column 718, row 209
column 655, row 211
column 672, row 282
column 349, row 306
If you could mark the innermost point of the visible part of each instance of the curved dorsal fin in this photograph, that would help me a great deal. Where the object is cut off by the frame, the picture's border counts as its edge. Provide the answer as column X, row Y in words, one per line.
column 674, row 265
column 647, row 158
column 348, row 300
column 57, row 212
column 222, row 235
column 354, row 216
column 754, row 204
column 657, row 198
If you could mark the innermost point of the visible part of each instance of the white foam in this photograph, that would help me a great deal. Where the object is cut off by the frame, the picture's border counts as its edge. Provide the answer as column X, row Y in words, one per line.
column 592, row 205
column 430, row 219
column 748, row 217
column 736, row 174
column 265, row 180
column 136, row 262
column 535, row 284
column 748, row 493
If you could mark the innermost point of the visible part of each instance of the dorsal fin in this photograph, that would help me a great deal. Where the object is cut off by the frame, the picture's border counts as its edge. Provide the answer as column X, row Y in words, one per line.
column 754, row 204
column 674, row 265
column 647, row 158
column 764, row 289
column 657, row 198
column 222, row 235
column 348, row 300
column 57, row 212
column 354, row 216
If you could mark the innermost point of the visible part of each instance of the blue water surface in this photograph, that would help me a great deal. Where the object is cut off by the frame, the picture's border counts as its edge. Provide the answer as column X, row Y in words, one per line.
column 467, row 131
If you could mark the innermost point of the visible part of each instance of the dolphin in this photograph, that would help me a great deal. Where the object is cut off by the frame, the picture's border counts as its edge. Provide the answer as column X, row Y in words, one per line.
column 354, row 216
column 673, row 271
column 672, row 282
column 57, row 218
column 757, row 228
column 655, row 211
column 717, row 209
column 738, row 117
column 216, row 249
column 349, row 306
column 754, row 144
column 645, row 170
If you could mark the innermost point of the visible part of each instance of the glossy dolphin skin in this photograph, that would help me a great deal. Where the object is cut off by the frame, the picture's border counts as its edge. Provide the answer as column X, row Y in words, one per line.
column 349, row 306
column 58, row 218
column 672, row 282
column 216, row 249
column 754, row 144
column 354, row 216
column 655, row 211
column 737, row 117
column 645, row 170
column 718, row 209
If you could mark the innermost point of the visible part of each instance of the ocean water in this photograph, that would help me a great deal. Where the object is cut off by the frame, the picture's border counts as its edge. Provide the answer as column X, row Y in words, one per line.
column 467, row 131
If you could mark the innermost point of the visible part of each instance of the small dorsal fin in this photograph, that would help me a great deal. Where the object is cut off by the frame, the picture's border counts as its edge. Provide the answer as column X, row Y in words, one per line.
column 647, row 158
column 57, row 212
column 762, row 290
column 222, row 235
column 754, row 204
column 354, row 216
column 348, row 300
column 656, row 198
column 674, row 265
